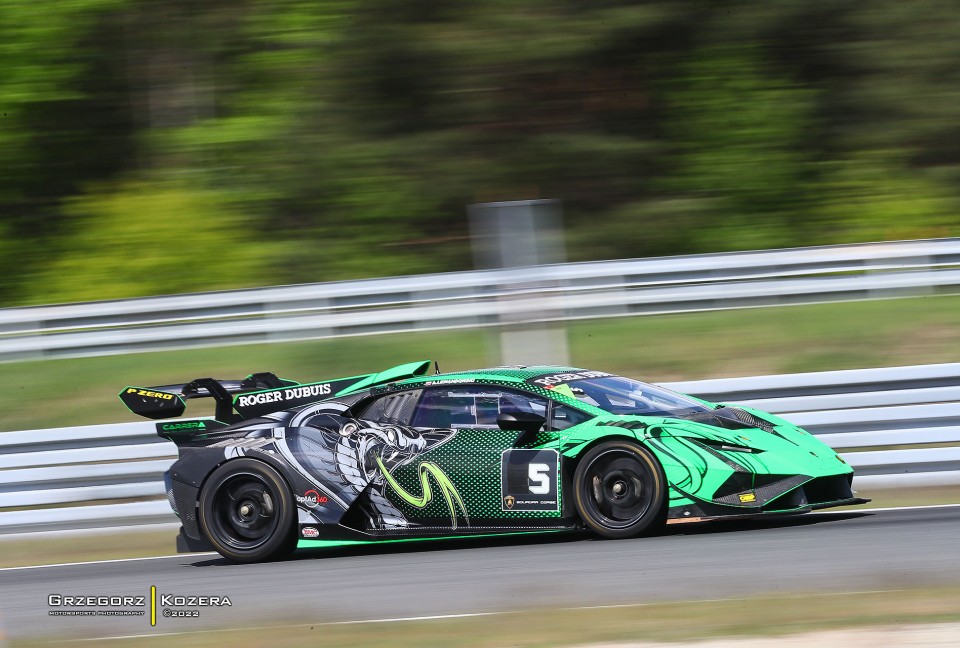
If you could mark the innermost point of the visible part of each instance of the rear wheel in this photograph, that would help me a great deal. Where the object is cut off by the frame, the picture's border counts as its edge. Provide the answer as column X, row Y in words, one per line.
column 247, row 512
column 619, row 490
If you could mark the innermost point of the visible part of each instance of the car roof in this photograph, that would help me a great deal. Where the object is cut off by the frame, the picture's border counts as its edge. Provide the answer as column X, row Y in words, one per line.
column 513, row 373
column 518, row 377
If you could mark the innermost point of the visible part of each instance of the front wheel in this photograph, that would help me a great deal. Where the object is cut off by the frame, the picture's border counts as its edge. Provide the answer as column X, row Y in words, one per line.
column 247, row 512
column 619, row 490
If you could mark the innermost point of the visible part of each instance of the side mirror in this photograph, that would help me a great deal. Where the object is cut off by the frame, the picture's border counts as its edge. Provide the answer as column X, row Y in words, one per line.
column 526, row 422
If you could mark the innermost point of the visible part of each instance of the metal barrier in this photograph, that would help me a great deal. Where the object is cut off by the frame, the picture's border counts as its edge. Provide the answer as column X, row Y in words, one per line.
column 484, row 298
column 867, row 413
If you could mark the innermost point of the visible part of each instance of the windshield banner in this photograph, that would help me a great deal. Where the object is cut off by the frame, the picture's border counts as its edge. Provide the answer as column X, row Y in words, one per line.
column 552, row 380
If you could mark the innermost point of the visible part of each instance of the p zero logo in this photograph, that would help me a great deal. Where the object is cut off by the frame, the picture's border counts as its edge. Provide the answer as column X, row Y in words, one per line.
column 530, row 480
column 150, row 394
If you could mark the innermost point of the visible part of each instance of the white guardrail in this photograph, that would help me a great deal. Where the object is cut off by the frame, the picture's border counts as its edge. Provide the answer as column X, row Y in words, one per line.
column 484, row 298
column 59, row 478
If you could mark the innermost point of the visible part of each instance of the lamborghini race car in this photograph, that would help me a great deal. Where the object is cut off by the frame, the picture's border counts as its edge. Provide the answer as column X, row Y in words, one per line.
column 402, row 454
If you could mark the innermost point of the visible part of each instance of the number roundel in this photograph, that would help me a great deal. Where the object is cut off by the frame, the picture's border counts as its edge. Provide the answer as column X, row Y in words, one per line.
column 529, row 480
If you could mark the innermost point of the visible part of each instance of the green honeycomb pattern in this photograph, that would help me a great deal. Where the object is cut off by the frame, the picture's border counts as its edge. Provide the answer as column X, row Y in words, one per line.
column 471, row 459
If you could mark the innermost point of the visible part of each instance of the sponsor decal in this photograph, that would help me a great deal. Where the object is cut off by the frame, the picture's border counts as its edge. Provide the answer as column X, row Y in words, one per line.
column 448, row 381
column 150, row 394
column 312, row 499
column 551, row 380
column 284, row 395
column 426, row 470
column 746, row 498
column 309, row 532
column 566, row 390
column 190, row 425
column 530, row 480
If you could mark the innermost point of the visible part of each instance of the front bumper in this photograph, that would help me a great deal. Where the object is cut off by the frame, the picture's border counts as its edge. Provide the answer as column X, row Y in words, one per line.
column 706, row 512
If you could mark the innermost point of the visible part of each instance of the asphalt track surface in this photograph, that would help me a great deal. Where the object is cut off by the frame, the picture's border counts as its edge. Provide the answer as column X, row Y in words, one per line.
column 828, row 552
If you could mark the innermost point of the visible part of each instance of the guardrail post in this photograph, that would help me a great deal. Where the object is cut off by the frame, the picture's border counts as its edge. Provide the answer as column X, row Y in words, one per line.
column 525, row 234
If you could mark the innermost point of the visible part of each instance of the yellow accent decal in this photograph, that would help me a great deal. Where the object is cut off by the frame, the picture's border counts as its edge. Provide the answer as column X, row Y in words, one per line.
column 151, row 394
column 447, row 489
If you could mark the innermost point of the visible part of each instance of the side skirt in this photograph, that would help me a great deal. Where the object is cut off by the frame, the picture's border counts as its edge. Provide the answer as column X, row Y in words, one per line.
column 677, row 516
column 372, row 540
column 341, row 532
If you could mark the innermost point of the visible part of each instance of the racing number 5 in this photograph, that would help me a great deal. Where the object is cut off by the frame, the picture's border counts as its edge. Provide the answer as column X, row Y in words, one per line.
column 529, row 479
column 538, row 476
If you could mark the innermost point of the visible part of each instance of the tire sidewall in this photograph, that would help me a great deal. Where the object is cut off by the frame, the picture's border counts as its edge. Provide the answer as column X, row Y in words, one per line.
column 654, row 516
column 283, row 540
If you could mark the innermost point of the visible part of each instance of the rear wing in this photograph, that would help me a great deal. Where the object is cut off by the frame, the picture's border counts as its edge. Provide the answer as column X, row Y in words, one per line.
column 255, row 395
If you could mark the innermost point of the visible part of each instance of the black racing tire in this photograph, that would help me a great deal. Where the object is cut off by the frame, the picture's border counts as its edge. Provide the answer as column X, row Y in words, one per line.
column 247, row 512
column 619, row 490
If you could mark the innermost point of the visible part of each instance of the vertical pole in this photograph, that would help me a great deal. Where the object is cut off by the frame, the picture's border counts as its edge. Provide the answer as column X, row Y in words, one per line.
column 523, row 237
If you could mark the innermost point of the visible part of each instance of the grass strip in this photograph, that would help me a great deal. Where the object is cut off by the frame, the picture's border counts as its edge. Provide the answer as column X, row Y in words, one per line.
column 682, row 346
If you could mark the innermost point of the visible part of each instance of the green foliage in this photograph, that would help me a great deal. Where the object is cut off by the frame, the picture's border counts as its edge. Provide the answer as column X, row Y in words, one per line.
column 677, row 346
column 873, row 199
column 350, row 135
column 139, row 239
column 742, row 146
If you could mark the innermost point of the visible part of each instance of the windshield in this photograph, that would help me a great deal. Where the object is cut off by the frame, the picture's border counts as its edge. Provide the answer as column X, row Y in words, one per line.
column 619, row 395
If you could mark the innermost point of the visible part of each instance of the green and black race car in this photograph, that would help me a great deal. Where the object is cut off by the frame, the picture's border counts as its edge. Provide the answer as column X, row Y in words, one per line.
column 402, row 454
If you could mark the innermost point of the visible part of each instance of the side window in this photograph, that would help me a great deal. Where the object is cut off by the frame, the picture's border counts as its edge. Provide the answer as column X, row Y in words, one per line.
column 564, row 417
column 472, row 406
column 396, row 409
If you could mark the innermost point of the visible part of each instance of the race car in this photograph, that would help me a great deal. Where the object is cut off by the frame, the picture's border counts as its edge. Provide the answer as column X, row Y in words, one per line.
column 404, row 453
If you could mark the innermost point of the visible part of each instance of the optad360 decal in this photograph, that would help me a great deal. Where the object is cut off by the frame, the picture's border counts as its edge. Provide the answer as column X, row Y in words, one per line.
column 312, row 499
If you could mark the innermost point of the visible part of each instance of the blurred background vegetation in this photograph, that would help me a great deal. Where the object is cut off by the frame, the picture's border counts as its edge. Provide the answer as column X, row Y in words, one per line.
column 152, row 146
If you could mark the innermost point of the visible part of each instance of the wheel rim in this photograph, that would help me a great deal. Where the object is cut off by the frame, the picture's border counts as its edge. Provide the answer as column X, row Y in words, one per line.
column 245, row 511
column 618, row 488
